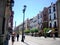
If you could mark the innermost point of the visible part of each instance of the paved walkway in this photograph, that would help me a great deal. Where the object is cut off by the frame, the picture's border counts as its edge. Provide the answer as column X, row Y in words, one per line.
column 29, row 40
column 16, row 43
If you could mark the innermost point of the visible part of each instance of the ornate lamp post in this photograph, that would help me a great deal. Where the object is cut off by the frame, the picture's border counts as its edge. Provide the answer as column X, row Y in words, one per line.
column 23, row 23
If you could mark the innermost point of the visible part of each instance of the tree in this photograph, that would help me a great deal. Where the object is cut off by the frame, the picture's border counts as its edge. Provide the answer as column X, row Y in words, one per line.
column 32, row 31
column 27, row 31
column 45, row 31
column 35, row 30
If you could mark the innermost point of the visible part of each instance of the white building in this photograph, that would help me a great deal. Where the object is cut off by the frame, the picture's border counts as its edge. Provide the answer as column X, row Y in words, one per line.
column 52, row 16
column 36, row 22
column 33, row 22
column 40, row 21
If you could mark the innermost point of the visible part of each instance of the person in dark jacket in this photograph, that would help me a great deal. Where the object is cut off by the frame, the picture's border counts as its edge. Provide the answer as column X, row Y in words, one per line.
column 17, row 37
column 13, row 38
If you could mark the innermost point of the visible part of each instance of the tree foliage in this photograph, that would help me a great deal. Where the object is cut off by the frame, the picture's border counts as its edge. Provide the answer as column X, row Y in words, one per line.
column 34, row 30
column 46, row 30
column 27, row 31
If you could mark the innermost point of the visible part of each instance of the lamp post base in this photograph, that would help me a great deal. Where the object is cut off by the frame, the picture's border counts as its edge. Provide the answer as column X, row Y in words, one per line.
column 22, row 40
column 23, row 37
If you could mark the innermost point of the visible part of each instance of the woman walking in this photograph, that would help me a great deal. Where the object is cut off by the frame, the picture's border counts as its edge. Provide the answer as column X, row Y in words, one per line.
column 13, row 38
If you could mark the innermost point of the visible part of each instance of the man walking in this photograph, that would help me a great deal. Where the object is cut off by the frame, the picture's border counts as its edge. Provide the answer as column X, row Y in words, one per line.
column 17, row 37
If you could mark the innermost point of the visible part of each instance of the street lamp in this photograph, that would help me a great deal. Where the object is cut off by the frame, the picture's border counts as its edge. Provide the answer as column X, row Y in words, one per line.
column 23, row 36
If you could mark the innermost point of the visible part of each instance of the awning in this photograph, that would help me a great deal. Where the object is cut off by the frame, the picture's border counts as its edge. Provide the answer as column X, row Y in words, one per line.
column 49, row 31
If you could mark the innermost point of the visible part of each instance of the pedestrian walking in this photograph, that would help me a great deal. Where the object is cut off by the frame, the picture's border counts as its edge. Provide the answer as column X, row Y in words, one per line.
column 17, row 37
column 53, row 35
column 13, row 38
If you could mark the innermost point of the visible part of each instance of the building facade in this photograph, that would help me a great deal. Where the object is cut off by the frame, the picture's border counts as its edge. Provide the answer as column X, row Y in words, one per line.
column 45, row 17
column 33, row 23
column 52, row 15
column 58, row 15
column 10, row 22
column 5, row 12
column 39, row 20
column 2, row 20
column 27, row 24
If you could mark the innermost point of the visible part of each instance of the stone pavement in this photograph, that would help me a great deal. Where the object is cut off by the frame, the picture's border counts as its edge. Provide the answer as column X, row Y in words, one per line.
column 16, row 43
column 29, row 40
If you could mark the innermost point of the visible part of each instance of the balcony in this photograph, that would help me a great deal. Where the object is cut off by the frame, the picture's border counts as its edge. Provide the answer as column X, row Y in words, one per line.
column 10, row 3
column 11, row 13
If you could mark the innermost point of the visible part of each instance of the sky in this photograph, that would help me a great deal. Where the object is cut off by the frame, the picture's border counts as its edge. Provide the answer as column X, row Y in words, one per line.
column 32, row 9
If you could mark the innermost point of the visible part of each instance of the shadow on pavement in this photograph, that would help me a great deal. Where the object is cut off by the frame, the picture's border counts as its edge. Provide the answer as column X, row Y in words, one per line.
column 26, row 43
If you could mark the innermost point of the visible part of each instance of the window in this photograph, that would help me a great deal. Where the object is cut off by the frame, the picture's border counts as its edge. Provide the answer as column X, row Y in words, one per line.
column 54, row 9
column 50, row 17
column 49, row 10
column 3, row 25
column 55, row 25
column 44, row 14
column 38, row 22
column 50, row 25
column 41, row 16
column 54, row 16
column 38, row 16
column 34, row 21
